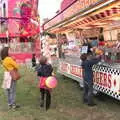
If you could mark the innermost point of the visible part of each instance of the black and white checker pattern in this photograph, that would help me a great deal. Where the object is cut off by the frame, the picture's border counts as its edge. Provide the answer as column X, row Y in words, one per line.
column 107, row 91
column 100, row 68
column 110, row 70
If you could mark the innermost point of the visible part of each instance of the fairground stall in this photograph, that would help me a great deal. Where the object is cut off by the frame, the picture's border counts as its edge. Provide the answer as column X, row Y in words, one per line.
column 49, row 46
column 97, row 21
column 19, row 28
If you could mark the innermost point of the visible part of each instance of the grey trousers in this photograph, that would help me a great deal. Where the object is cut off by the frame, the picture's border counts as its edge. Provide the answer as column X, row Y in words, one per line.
column 88, row 93
column 11, row 93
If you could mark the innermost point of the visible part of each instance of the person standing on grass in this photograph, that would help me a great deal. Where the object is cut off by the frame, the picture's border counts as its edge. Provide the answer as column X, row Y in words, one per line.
column 33, row 60
column 44, row 71
column 87, row 64
column 8, row 84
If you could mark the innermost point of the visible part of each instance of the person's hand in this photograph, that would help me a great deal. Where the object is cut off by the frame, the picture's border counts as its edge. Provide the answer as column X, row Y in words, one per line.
column 53, row 74
column 98, row 56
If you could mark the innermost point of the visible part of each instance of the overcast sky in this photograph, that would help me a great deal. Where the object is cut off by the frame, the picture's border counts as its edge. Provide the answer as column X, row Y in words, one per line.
column 48, row 8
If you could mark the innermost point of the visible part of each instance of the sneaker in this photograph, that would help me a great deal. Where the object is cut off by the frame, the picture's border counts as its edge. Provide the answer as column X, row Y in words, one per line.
column 92, row 104
column 9, row 106
column 15, row 106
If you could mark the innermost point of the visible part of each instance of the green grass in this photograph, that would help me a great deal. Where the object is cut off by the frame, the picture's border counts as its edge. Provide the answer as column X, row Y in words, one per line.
column 66, row 102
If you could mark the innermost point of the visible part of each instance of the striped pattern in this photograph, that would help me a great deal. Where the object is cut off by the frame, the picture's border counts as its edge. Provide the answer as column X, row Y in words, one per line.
column 99, row 16
column 92, row 18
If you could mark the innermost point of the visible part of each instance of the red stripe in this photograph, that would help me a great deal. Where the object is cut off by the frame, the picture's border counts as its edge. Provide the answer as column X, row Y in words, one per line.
column 114, row 10
column 92, row 17
column 85, row 21
column 78, row 23
column 89, row 19
column 82, row 22
column 97, row 16
column 108, row 12
column 102, row 14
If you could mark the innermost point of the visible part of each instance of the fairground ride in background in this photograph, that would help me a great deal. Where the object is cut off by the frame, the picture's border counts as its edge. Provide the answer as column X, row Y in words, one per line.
column 19, row 28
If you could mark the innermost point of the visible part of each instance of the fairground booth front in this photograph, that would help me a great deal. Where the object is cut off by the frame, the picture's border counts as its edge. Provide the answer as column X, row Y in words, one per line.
column 19, row 28
column 91, row 20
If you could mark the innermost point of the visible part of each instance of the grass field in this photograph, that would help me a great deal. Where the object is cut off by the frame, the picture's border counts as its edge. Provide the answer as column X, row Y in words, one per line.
column 66, row 102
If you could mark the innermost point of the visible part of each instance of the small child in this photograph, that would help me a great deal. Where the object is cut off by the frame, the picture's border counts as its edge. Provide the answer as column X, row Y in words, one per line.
column 45, row 70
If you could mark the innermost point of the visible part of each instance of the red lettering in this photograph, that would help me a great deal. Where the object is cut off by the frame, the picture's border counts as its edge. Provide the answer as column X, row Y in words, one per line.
column 77, row 71
column 81, row 72
column 101, row 78
column 73, row 70
column 105, row 80
column 109, row 81
column 97, row 77
column 64, row 67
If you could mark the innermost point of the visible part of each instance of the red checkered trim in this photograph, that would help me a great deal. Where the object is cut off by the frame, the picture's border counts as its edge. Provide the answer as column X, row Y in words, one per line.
column 101, row 15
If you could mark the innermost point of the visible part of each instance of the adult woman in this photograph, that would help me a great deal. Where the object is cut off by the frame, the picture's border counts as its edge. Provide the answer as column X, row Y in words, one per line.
column 9, row 64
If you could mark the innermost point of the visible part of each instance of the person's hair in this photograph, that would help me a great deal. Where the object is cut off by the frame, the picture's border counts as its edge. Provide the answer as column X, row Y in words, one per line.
column 33, row 54
column 83, row 57
column 4, row 53
column 43, row 60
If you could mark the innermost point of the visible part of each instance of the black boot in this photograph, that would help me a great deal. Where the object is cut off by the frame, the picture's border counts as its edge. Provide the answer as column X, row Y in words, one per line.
column 92, row 104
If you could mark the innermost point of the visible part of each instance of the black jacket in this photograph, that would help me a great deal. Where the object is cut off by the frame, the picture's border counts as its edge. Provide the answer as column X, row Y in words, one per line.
column 44, row 70
column 87, row 69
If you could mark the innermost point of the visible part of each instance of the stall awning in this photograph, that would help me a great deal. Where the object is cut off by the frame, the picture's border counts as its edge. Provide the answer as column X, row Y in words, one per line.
column 99, row 17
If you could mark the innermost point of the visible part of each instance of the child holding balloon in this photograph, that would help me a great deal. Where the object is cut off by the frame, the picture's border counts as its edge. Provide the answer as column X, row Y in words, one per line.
column 44, row 71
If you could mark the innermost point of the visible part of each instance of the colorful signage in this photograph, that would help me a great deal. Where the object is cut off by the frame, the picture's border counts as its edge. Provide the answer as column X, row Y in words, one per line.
column 71, row 69
column 21, row 18
column 70, row 11
column 105, row 80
